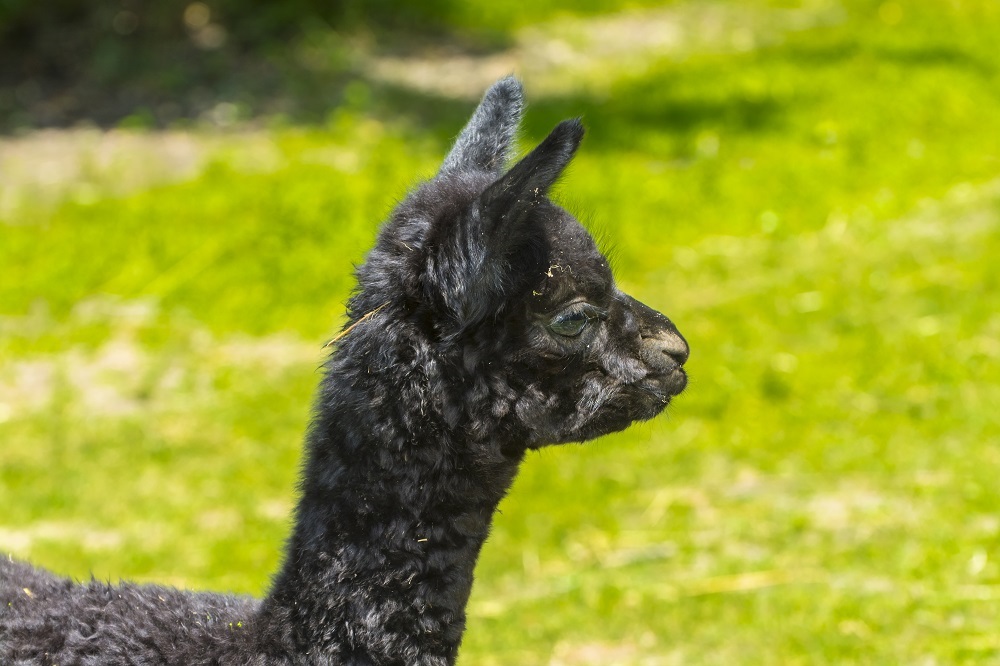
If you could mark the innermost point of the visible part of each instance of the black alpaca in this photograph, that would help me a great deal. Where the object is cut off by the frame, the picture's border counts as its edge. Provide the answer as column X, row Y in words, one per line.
column 485, row 323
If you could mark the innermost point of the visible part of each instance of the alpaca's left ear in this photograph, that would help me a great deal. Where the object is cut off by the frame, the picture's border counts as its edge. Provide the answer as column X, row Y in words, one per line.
column 485, row 141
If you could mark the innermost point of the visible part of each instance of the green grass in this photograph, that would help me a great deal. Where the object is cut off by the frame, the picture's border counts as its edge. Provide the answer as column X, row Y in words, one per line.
column 820, row 214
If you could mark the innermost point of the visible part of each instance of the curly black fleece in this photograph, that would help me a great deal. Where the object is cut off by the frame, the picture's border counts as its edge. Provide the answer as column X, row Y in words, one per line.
column 485, row 323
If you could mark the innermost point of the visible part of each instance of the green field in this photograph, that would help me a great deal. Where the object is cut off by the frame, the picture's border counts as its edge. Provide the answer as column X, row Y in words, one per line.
column 810, row 190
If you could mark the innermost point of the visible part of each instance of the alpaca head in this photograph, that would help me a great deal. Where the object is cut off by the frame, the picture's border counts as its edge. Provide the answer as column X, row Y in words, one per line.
column 508, row 303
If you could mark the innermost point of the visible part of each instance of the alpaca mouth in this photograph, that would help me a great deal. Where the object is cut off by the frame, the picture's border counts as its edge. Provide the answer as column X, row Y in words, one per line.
column 641, row 401
column 667, row 385
column 656, row 391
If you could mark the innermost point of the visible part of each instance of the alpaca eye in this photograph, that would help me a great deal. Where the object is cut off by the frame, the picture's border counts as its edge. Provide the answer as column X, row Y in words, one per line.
column 571, row 322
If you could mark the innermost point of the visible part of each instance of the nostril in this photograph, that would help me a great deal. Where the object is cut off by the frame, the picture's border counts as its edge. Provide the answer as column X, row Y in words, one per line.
column 679, row 356
column 676, row 358
column 665, row 351
column 674, row 346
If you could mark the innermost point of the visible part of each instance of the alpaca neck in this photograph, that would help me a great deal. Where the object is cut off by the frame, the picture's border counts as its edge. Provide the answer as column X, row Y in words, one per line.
column 388, row 529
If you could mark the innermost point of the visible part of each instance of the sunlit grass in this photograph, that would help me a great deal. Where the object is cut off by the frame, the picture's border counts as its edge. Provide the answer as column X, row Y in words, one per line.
column 819, row 214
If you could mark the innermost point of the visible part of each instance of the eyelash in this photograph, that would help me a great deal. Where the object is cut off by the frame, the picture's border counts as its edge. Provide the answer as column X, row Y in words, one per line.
column 573, row 320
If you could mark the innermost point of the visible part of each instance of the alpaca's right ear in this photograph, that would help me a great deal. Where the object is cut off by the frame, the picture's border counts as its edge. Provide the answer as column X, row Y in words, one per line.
column 500, row 225
column 485, row 141
column 506, row 202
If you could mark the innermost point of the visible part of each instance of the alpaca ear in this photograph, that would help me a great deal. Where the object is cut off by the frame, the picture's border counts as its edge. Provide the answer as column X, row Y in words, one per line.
column 507, row 201
column 485, row 141
column 500, row 227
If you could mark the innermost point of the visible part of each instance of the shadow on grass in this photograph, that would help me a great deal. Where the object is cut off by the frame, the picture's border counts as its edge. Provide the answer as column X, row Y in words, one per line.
column 622, row 121
column 171, row 81
column 302, row 80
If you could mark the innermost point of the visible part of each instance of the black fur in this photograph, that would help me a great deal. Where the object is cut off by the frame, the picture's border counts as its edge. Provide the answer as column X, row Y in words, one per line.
column 485, row 323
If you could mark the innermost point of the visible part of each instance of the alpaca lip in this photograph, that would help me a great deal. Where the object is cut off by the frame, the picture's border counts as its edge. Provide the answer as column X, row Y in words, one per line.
column 678, row 380
column 668, row 385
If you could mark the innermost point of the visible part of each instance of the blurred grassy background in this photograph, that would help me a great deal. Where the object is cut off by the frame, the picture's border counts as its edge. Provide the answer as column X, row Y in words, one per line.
column 811, row 190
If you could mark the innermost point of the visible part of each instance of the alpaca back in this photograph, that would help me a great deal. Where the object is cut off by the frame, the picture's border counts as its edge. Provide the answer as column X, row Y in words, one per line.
column 47, row 619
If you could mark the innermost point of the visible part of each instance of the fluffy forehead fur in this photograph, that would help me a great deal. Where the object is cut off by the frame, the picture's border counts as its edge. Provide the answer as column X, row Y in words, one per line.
column 416, row 258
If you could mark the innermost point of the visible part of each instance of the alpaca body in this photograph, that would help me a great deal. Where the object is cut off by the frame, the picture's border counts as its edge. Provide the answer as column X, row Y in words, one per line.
column 485, row 324
column 52, row 620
